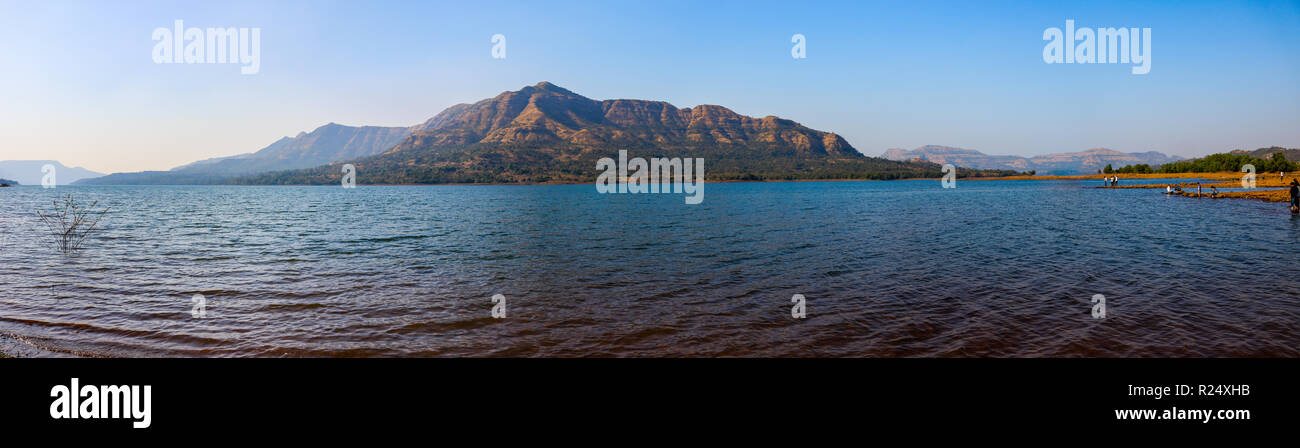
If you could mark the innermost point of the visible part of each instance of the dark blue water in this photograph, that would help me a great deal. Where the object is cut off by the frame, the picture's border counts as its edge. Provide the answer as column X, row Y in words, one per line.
column 905, row 268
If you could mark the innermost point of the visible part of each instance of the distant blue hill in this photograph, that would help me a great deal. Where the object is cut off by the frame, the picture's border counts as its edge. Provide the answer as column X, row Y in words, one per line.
column 28, row 172
column 329, row 143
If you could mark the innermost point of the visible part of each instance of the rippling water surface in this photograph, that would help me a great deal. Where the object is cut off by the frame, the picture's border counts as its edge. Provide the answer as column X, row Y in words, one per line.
column 1000, row 268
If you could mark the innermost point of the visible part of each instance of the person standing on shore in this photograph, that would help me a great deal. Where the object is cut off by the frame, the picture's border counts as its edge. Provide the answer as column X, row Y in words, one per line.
column 1198, row 189
column 1295, row 195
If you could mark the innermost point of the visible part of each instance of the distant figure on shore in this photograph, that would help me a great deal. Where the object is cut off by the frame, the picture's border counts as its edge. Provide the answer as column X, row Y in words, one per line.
column 1169, row 189
column 1214, row 192
column 1198, row 189
column 1115, row 180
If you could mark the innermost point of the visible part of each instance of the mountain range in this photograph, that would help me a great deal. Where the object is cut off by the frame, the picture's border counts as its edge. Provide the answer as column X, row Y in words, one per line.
column 1083, row 162
column 548, row 114
column 329, row 143
column 545, row 133
column 28, row 172
column 1292, row 154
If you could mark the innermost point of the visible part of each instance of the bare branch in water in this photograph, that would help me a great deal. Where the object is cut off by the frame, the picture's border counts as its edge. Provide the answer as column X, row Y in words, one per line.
column 69, row 224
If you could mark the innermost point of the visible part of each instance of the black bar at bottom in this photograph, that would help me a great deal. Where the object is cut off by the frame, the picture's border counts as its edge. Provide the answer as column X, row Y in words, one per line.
column 752, row 396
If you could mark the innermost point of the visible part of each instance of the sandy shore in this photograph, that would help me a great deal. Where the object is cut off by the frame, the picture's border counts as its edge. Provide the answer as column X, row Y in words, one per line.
column 1269, row 187
column 1122, row 177
column 13, row 346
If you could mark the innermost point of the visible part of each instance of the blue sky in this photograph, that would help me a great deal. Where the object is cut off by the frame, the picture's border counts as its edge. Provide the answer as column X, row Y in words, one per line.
column 77, row 82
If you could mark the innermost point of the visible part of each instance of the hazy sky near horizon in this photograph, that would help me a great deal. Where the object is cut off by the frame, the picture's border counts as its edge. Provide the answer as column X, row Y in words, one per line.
column 78, row 83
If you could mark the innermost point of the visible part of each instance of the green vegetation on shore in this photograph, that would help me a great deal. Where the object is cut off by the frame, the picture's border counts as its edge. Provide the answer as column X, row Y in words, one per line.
column 1216, row 163
column 1140, row 168
column 1229, row 162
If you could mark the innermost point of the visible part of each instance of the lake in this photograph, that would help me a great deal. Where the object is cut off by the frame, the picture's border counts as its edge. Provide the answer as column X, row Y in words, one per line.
column 887, row 269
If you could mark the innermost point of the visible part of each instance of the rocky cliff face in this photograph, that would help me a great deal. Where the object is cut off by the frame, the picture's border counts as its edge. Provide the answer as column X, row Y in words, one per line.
column 545, row 133
column 548, row 114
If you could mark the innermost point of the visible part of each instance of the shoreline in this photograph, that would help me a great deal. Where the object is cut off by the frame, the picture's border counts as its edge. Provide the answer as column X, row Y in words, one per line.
column 13, row 346
column 499, row 184
column 1217, row 175
column 1267, row 188
column 1215, row 179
